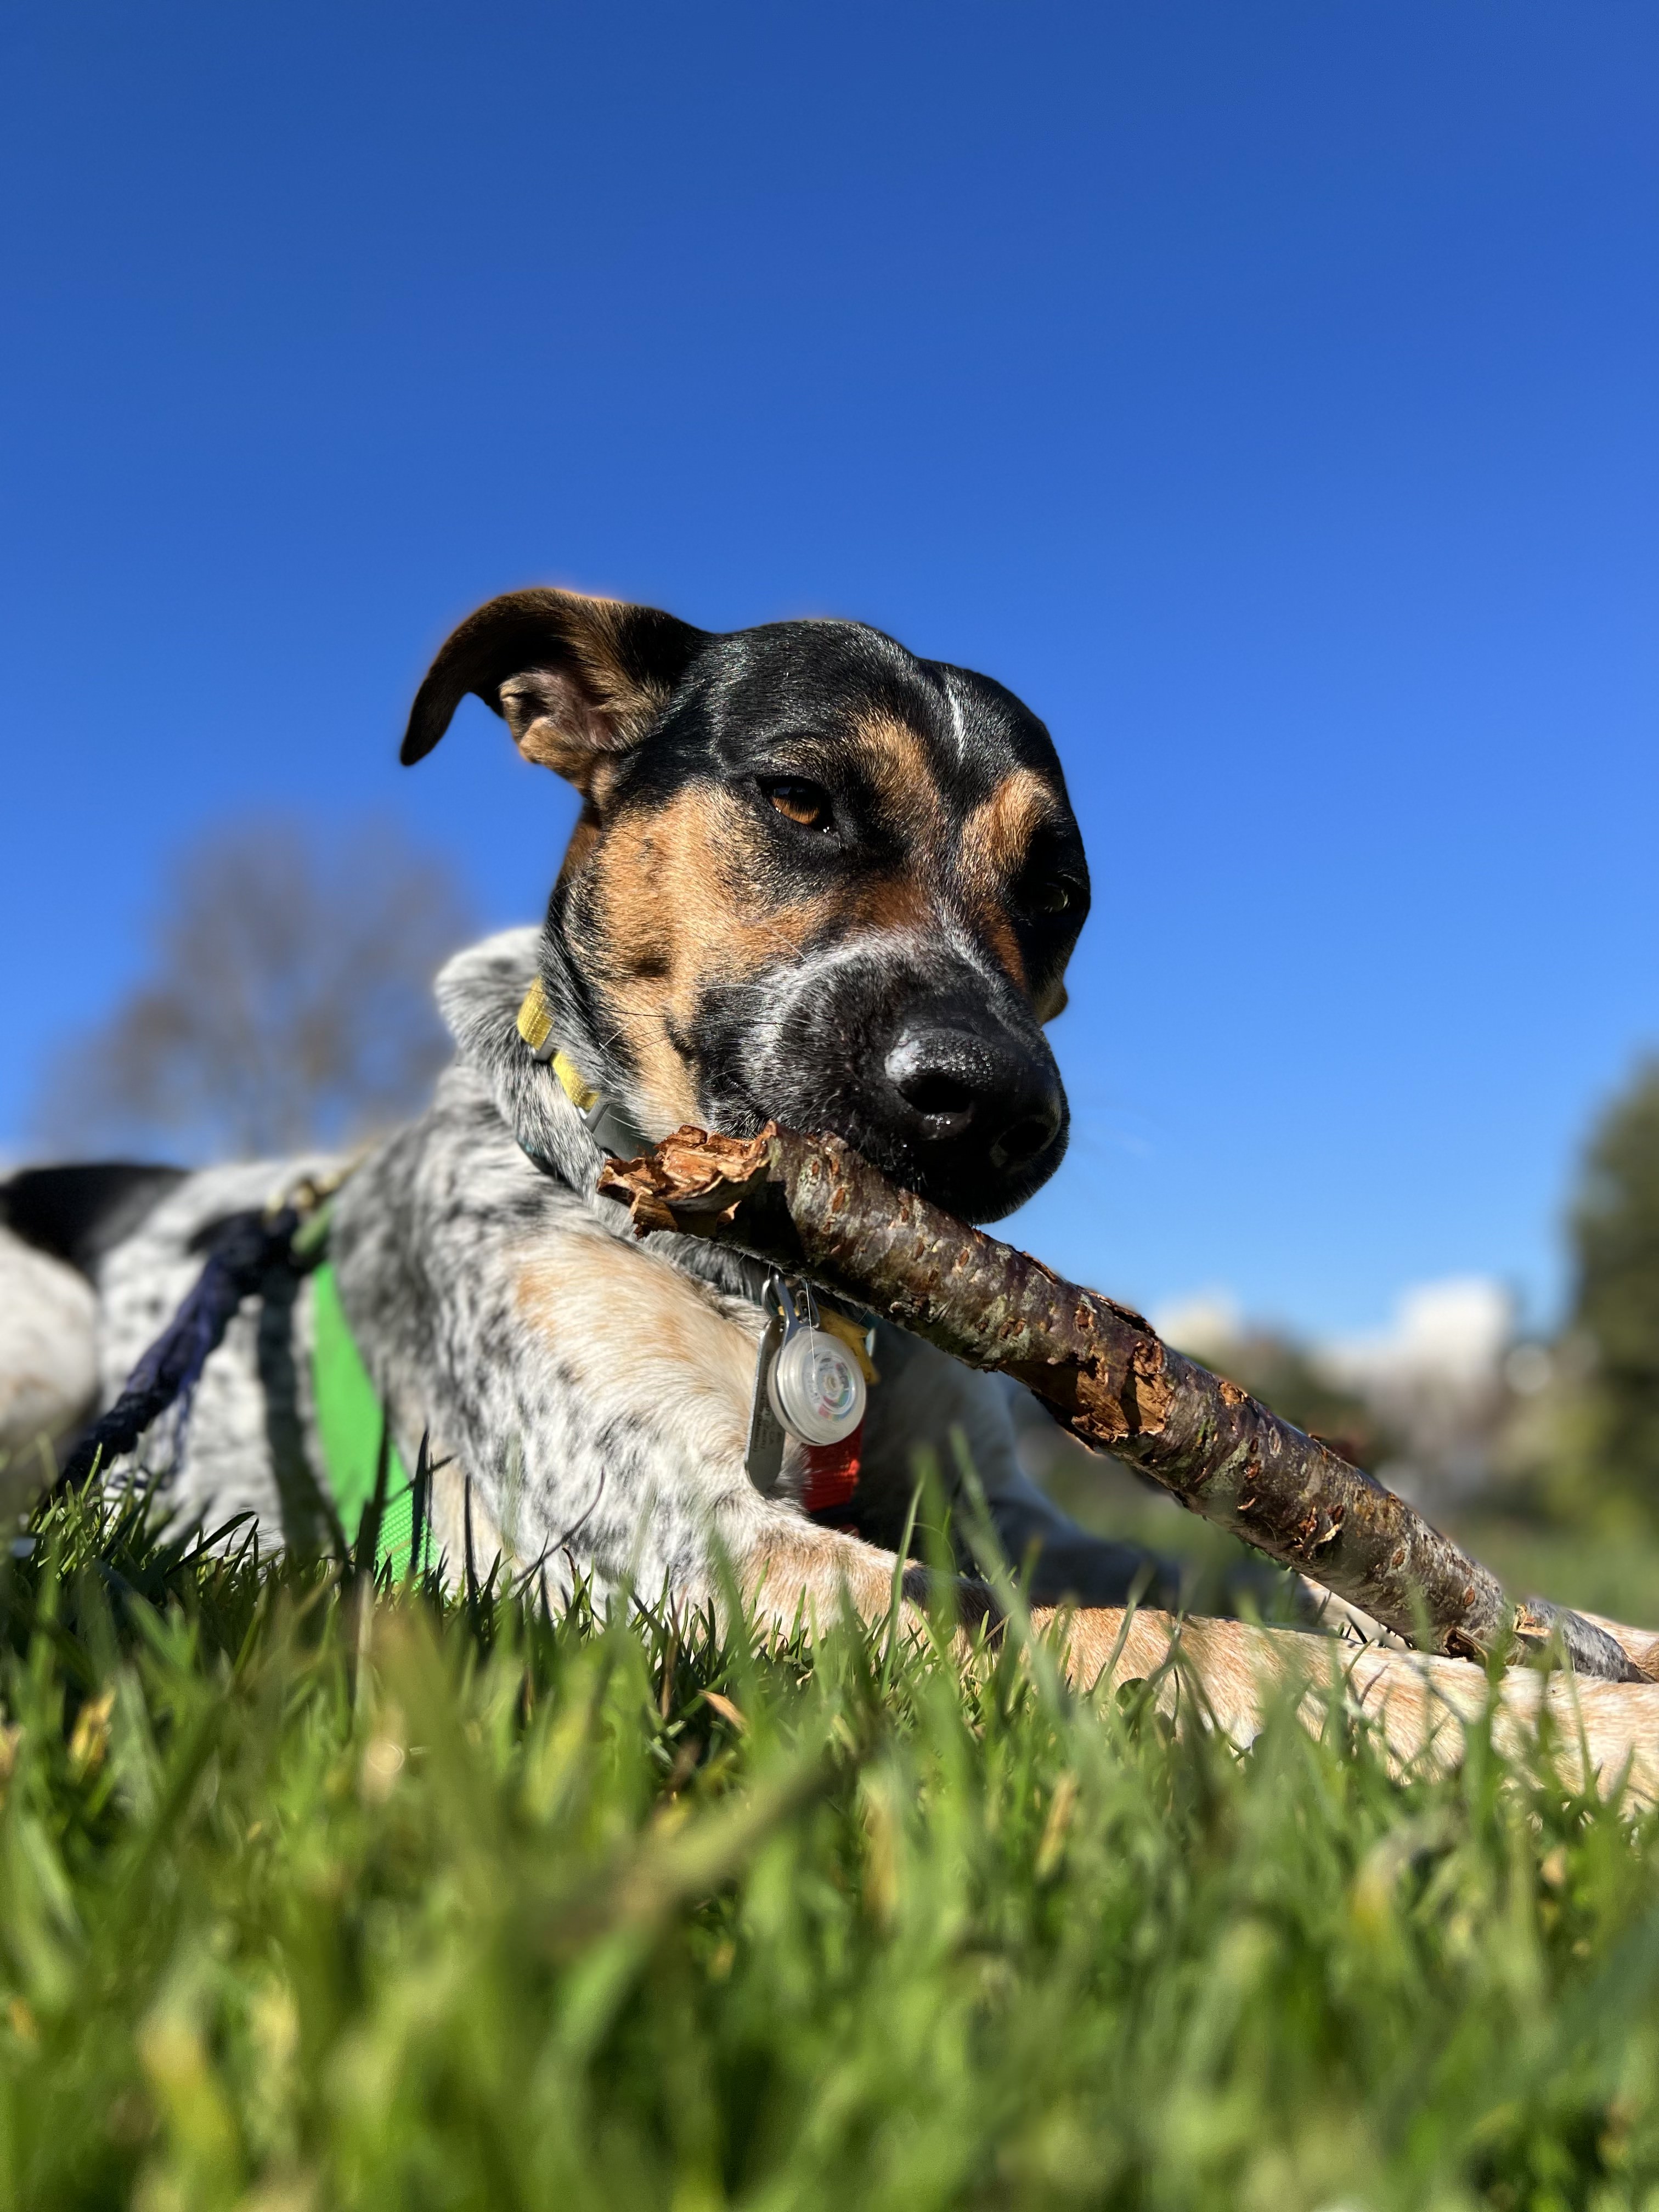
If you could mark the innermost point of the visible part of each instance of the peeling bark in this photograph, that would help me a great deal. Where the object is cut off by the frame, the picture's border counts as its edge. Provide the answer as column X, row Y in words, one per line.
column 813, row 1208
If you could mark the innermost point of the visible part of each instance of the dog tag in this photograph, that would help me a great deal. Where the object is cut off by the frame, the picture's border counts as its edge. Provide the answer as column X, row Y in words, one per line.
column 807, row 1385
column 815, row 1387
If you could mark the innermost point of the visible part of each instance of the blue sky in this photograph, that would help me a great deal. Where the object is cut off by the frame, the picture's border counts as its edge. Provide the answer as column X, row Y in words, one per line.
column 1267, row 392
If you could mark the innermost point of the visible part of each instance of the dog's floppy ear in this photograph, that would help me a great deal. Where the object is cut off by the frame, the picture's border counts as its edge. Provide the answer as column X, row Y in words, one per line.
column 576, row 679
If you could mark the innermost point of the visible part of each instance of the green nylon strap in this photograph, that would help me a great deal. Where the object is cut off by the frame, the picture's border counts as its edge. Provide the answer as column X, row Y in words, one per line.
column 350, row 1420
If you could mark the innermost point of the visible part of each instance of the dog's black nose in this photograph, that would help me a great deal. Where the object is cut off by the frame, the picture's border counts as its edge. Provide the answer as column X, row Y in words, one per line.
column 951, row 1081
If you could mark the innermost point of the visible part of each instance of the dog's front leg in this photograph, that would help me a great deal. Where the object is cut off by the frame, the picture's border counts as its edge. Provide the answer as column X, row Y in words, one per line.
column 631, row 1386
column 1228, row 1674
column 790, row 1573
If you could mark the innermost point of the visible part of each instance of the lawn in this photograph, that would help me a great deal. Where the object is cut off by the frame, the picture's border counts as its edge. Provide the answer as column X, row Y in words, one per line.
column 316, row 1894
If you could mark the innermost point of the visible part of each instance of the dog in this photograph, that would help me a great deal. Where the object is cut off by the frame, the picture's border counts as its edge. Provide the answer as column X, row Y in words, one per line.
column 814, row 879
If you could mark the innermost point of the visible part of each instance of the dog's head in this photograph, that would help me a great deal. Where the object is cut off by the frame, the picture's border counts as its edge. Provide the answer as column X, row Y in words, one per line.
column 815, row 879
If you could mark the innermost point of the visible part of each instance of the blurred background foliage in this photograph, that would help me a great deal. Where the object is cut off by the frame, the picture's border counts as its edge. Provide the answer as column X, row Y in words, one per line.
column 287, row 1001
column 1607, row 1455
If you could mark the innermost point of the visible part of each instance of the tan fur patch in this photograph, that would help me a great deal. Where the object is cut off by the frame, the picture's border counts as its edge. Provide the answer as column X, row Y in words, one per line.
column 999, row 934
column 595, row 632
column 899, row 764
column 797, row 1572
column 673, row 908
column 640, row 1338
column 985, row 856
column 1232, row 1673
column 995, row 839
column 583, row 839
column 997, row 835
column 893, row 902
column 577, row 719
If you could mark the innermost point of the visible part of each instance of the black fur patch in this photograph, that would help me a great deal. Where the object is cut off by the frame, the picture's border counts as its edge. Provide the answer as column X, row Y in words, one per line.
column 79, row 1213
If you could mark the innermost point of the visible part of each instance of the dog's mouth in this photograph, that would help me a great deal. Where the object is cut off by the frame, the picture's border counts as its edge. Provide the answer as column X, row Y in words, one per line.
column 945, row 1161
column 960, row 1115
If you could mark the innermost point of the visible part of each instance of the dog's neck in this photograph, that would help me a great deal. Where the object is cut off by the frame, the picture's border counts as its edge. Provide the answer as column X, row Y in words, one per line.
column 605, row 1120
column 480, row 993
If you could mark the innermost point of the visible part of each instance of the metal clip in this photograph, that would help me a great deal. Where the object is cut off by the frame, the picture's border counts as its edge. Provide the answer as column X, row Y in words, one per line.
column 807, row 1384
column 763, row 1460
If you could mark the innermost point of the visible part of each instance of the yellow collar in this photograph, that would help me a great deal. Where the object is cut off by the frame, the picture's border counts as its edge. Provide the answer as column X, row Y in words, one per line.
column 608, row 1126
column 535, row 1028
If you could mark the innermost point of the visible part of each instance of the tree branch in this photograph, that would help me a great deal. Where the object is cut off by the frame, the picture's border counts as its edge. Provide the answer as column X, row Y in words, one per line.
column 813, row 1208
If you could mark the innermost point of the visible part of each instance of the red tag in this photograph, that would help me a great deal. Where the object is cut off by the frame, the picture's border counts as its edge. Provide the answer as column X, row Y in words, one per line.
column 832, row 1472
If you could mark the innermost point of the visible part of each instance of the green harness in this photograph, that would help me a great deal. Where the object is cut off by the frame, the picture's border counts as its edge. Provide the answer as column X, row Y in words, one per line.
column 351, row 1428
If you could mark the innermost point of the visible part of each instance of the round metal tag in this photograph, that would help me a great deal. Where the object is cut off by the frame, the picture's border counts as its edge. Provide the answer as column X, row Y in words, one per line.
column 816, row 1388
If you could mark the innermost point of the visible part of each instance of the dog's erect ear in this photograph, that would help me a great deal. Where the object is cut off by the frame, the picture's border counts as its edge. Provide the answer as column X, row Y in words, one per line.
column 577, row 680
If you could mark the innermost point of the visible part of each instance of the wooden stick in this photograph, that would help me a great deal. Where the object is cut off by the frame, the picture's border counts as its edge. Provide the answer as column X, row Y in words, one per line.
column 813, row 1208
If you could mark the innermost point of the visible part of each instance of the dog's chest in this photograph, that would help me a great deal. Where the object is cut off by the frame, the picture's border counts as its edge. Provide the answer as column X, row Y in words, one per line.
column 542, row 1351
column 636, row 1337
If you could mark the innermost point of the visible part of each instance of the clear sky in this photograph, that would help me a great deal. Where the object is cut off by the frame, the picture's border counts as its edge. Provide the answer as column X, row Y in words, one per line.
column 1267, row 391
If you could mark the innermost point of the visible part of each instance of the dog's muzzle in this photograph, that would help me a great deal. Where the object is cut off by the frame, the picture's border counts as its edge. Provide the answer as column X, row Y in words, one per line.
column 929, row 1075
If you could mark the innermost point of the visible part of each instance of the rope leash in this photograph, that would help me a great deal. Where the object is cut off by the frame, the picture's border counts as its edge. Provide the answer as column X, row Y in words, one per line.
column 246, row 1247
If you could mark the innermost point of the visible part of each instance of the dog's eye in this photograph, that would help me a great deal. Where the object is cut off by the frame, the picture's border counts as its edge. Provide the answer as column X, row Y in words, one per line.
column 1050, row 895
column 809, row 804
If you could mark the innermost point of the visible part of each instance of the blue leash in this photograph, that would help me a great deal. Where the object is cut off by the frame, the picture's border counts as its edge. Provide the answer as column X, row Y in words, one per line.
column 245, row 1249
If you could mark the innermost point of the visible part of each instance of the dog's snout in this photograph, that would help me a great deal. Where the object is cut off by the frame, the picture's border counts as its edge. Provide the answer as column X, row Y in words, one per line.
column 942, row 1080
column 956, row 1081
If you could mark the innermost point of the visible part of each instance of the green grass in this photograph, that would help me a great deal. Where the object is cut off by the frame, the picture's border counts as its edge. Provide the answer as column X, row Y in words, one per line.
column 312, row 1896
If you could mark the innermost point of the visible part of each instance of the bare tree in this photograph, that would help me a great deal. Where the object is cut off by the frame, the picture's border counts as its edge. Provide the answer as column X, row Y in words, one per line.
column 289, row 1000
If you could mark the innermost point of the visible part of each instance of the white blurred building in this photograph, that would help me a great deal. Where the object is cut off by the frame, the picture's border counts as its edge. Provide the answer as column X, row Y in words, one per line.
column 1436, row 1377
